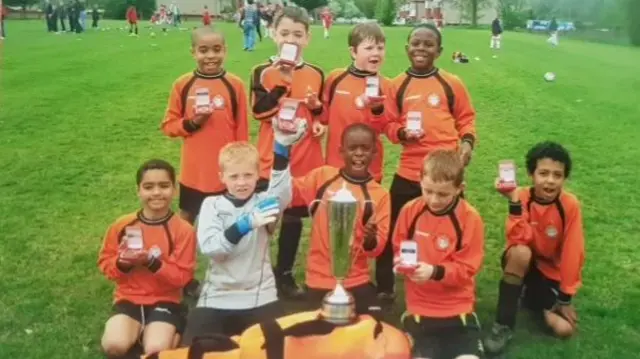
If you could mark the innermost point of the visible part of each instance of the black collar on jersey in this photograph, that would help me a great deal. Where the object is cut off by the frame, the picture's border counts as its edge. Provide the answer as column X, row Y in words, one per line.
column 447, row 211
column 538, row 200
column 299, row 65
column 355, row 180
column 237, row 202
column 359, row 73
column 154, row 222
column 411, row 72
column 199, row 74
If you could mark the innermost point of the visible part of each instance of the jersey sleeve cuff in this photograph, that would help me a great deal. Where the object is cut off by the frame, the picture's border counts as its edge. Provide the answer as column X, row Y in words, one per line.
column 280, row 149
column 190, row 126
column 564, row 298
column 515, row 208
column 402, row 135
column 377, row 111
column 438, row 273
column 123, row 267
column 239, row 229
column 469, row 138
column 370, row 245
column 154, row 265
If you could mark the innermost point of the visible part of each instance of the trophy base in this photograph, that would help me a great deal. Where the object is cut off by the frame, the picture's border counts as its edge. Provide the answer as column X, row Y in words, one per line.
column 338, row 307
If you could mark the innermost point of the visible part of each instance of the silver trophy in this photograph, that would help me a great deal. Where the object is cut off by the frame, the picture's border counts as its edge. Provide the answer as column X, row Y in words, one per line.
column 338, row 306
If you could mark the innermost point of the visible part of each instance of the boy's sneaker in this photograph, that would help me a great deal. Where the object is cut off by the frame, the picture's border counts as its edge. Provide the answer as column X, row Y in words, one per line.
column 498, row 339
column 287, row 287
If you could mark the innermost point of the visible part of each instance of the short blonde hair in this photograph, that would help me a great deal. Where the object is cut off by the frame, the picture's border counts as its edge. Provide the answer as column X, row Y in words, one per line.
column 444, row 166
column 238, row 152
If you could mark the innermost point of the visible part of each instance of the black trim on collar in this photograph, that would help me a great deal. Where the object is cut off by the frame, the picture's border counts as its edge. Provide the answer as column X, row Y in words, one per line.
column 360, row 73
column 540, row 201
column 411, row 72
column 448, row 210
column 154, row 222
column 355, row 180
column 237, row 202
column 199, row 74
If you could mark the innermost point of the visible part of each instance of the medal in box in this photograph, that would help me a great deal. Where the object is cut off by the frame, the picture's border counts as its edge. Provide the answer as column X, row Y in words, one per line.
column 287, row 115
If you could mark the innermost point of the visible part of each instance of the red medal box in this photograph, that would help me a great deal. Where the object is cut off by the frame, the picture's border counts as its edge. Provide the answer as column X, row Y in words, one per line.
column 287, row 115
column 134, row 238
column 507, row 175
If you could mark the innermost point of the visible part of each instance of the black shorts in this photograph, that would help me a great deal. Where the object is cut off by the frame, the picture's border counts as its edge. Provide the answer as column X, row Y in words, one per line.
column 539, row 292
column 444, row 338
column 203, row 322
column 191, row 199
column 165, row 312
column 365, row 296
column 298, row 212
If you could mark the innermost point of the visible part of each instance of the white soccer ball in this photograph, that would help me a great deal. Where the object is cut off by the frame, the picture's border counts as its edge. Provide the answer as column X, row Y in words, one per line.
column 549, row 76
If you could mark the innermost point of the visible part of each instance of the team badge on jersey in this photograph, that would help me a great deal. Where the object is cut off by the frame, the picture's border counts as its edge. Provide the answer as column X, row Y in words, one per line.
column 433, row 100
column 218, row 102
column 552, row 232
column 443, row 243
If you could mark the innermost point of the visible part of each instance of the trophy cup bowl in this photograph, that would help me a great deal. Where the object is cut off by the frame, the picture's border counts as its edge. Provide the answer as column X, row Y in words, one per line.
column 338, row 306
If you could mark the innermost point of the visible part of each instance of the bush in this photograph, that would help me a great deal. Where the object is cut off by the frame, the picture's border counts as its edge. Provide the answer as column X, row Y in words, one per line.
column 386, row 12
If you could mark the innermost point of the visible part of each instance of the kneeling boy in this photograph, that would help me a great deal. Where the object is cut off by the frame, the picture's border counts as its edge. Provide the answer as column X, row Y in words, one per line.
column 151, row 256
column 358, row 147
column 545, row 248
column 234, row 231
column 447, row 234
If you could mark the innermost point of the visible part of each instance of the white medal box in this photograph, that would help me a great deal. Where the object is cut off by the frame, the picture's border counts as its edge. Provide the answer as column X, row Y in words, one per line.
column 414, row 121
column 289, row 53
column 373, row 86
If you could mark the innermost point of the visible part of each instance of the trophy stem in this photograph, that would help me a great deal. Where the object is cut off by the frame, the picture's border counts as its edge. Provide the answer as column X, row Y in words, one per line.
column 338, row 306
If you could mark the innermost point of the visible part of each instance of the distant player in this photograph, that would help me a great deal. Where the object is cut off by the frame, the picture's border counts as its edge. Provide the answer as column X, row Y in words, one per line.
column 553, row 29
column 496, row 33
column 327, row 21
column 206, row 17
column 132, row 18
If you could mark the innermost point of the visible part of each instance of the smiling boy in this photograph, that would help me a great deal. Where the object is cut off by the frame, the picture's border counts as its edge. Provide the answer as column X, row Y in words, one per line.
column 205, row 127
column 545, row 248
column 272, row 83
column 357, row 150
column 439, row 102
column 346, row 99
column 149, row 278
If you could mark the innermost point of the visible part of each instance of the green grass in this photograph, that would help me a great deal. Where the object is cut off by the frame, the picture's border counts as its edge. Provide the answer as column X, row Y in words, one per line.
column 78, row 114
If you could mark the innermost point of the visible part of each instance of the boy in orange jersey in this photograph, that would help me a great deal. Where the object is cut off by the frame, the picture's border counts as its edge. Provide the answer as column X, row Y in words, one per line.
column 545, row 248
column 443, row 118
column 205, row 128
column 358, row 147
column 448, row 235
column 206, row 17
column 151, row 256
column 271, row 83
column 345, row 96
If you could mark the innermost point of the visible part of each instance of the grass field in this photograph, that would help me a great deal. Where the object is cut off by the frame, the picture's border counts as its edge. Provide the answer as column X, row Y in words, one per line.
column 78, row 114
